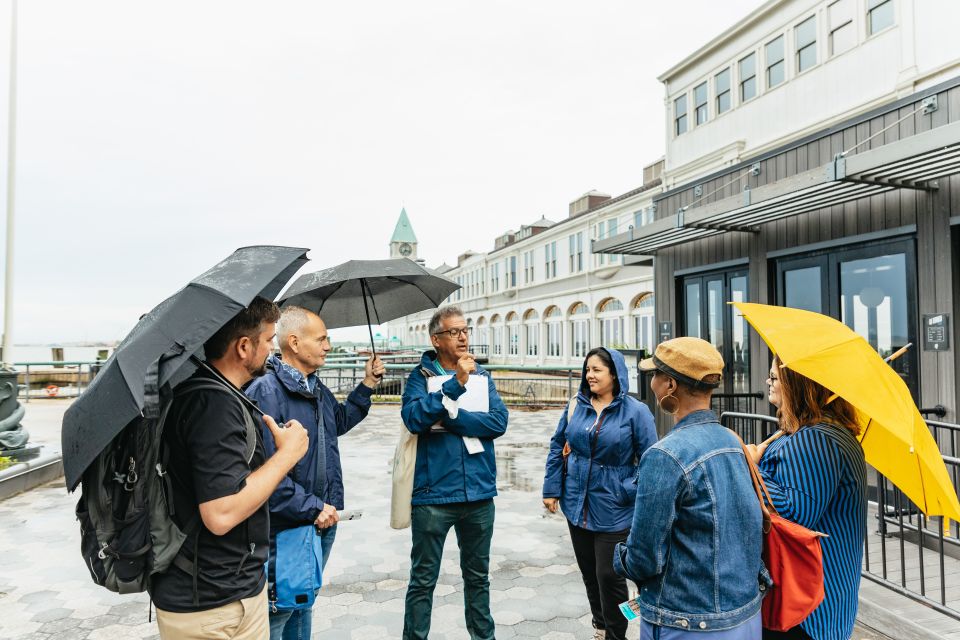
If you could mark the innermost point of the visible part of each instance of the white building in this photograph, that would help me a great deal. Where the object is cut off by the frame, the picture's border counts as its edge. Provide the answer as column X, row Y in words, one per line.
column 541, row 297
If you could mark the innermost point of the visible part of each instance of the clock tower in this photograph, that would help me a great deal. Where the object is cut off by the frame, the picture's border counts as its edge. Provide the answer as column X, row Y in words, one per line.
column 403, row 244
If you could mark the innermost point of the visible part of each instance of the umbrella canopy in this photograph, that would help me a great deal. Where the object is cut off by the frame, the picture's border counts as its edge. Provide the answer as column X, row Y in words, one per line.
column 374, row 291
column 164, row 340
column 896, row 441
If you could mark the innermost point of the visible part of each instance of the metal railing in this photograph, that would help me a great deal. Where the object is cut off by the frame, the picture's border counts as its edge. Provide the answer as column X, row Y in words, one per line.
column 908, row 553
column 55, row 378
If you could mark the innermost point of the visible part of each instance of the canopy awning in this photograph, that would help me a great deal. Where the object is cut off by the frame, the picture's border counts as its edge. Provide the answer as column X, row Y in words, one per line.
column 914, row 162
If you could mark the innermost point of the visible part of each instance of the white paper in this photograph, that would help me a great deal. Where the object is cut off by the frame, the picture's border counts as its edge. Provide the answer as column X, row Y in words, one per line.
column 476, row 398
column 473, row 445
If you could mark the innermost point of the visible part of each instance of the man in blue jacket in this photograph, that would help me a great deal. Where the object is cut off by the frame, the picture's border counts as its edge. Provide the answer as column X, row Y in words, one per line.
column 313, row 491
column 455, row 478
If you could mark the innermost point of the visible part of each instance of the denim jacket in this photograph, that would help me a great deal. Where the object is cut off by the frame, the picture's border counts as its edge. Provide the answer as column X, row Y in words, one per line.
column 695, row 543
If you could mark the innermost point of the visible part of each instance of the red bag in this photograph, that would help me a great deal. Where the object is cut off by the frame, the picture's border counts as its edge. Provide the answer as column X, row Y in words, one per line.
column 794, row 558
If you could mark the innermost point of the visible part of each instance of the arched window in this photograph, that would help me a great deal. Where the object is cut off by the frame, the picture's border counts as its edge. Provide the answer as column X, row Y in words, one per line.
column 610, row 312
column 496, row 335
column 481, row 339
column 553, row 319
column 531, row 324
column 643, row 324
column 579, row 330
column 513, row 334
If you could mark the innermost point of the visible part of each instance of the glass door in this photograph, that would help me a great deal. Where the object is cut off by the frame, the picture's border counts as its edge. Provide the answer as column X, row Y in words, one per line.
column 707, row 315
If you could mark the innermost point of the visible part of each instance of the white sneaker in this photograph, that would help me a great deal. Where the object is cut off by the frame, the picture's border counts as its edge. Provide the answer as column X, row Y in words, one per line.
column 599, row 634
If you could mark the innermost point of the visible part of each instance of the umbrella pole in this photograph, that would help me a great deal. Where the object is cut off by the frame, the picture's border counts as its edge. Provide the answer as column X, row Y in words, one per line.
column 364, row 289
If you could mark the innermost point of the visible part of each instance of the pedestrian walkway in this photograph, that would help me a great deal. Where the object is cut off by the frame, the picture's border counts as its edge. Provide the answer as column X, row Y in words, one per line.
column 536, row 591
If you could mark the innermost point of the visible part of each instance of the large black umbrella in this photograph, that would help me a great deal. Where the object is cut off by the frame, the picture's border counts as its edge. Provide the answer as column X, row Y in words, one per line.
column 162, row 348
column 375, row 291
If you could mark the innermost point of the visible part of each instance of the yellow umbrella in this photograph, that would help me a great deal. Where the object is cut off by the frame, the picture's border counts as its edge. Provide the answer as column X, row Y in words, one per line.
column 895, row 439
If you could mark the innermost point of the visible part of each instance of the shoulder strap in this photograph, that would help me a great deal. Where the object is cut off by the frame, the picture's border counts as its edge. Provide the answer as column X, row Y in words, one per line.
column 205, row 384
column 758, row 485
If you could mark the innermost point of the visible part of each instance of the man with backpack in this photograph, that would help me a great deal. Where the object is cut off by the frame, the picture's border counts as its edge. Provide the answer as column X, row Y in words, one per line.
column 220, row 479
column 313, row 491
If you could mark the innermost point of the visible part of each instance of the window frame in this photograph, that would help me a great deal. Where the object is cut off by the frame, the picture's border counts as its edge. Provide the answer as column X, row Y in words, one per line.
column 781, row 62
column 743, row 80
column 800, row 48
column 720, row 94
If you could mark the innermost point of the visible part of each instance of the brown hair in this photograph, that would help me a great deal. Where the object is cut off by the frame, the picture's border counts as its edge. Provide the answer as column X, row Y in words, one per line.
column 248, row 323
column 805, row 402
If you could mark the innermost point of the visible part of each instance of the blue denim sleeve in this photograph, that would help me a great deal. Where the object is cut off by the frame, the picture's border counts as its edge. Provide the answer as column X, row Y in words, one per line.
column 289, row 499
column 553, row 474
column 805, row 476
column 660, row 481
column 475, row 424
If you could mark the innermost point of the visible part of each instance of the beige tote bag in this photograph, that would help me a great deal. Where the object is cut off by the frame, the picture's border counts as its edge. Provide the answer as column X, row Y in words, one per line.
column 404, row 463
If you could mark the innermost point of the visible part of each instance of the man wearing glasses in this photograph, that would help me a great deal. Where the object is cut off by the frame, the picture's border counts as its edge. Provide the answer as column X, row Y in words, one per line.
column 313, row 491
column 455, row 478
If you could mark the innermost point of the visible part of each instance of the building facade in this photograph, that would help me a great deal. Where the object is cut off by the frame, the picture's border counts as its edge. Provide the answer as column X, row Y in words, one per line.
column 813, row 153
column 542, row 297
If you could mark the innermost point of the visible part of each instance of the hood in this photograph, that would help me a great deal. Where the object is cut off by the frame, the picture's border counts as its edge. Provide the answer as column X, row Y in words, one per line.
column 275, row 367
column 623, row 375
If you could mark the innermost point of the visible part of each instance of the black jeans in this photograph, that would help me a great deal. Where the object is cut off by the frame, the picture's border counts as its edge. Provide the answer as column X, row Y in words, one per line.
column 605, row 589
column 795, row 633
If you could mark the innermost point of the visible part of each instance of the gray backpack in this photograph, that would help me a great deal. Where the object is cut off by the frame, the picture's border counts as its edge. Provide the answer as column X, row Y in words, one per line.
column 127, row 533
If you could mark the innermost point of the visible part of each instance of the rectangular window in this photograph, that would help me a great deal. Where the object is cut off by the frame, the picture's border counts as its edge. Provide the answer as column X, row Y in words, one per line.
column 550, row 260
column 843, row 34
column 680, row 115
column 575, row 242
column 498, row 341
column 721, row 86
column 495, row 278
column 612, row 231
column 527, row 267
column 512, row 272
column 598, row 235
column 879, row 15
column 805, row 37
column 514, row 346
column 580, row 338
column 700, row 109
column 533, row 339
column 748, row 77
column 776, row 69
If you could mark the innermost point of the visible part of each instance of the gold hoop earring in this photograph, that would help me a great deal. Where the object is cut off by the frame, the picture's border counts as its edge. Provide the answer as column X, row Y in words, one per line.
column 672, row 408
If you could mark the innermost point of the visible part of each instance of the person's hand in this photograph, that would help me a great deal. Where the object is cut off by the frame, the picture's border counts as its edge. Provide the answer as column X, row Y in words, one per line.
column 373, row 371
column 465, row 366
column 551, row 504
column 327, row 518
column 756, row 451
column 291, row 440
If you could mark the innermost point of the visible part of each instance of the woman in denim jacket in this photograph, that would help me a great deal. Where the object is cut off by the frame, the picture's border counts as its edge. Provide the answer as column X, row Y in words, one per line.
column 695, row 543
column 604, row 431
column 817, row 477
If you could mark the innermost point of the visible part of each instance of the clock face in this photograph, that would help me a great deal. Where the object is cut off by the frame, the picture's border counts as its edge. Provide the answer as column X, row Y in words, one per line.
column 405, row 250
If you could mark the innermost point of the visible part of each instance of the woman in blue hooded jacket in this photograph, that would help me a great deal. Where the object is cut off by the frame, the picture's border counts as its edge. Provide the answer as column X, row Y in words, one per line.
column 603, row 433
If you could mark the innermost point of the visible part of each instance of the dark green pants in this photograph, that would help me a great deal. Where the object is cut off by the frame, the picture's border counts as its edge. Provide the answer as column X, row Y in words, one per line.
column 473, row 524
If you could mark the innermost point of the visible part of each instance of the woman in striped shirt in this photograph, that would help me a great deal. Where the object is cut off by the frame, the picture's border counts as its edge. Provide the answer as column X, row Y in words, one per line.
column 816, row 476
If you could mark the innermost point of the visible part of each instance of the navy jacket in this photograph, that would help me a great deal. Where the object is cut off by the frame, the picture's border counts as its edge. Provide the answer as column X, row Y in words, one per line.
column 601, row 482
column 445, row 472
column 298, row 499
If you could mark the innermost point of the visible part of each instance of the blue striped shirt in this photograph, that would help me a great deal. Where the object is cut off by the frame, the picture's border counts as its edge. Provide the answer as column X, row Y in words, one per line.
column 817, row 477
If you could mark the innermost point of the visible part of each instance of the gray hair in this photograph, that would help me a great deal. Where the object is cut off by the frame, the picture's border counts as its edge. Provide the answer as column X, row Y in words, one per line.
column 441, row 314
column 292, row 321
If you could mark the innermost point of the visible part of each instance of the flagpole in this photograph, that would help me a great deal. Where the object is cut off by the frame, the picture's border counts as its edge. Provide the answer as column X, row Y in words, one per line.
column 6, row 355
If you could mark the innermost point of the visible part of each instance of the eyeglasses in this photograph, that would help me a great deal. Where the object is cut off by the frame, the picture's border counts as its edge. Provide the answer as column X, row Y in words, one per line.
column 455, row 333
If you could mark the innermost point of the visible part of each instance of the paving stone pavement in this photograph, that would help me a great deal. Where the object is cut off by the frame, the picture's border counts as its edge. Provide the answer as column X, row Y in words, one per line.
column 536, row 590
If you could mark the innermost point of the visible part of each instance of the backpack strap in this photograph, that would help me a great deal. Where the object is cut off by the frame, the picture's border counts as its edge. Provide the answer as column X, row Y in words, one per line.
column 200, row 384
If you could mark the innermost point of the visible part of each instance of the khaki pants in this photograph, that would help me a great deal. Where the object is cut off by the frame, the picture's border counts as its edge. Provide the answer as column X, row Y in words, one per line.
column 241, row 620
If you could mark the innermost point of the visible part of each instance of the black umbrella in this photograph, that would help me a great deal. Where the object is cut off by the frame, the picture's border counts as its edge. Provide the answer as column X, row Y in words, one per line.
column 164, row 345
column 373, row 290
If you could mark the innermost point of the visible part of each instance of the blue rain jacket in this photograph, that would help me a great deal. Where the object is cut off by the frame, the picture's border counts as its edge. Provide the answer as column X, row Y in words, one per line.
column 445, row 473
column 298, row 499
column 600, row 487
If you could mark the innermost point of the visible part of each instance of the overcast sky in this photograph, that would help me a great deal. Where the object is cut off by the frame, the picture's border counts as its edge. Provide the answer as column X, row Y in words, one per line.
column 156, row 137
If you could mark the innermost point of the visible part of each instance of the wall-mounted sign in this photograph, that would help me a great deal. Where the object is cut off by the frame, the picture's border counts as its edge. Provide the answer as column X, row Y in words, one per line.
column 666, row 331
column 936, row 331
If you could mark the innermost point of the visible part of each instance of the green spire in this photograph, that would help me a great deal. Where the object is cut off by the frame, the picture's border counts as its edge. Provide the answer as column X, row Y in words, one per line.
column 403, row 232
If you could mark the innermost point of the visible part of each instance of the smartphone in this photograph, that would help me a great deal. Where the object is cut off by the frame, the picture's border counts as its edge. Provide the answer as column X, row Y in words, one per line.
column 350, row 514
